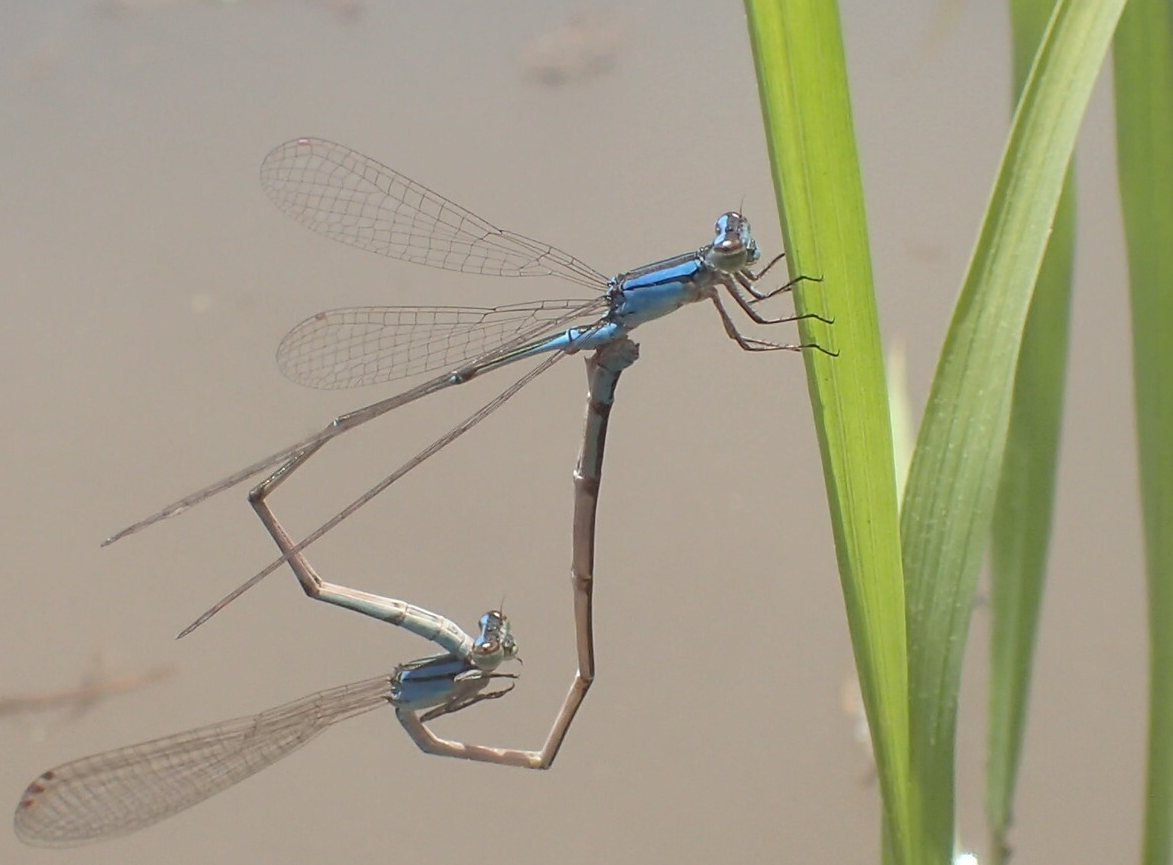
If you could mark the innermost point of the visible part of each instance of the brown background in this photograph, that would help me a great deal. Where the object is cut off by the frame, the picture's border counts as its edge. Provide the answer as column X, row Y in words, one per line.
column 147, row 281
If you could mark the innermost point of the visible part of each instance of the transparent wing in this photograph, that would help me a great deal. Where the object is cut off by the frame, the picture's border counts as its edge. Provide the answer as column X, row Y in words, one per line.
column 352, row 198
column 364, row 345
column 123, row 790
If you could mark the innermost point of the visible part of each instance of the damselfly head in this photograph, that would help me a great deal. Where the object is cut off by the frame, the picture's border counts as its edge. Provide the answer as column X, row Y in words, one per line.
column 733, row 247
column 495, row 644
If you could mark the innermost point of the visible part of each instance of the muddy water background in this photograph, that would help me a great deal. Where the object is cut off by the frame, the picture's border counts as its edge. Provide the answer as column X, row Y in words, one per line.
column 147, row 281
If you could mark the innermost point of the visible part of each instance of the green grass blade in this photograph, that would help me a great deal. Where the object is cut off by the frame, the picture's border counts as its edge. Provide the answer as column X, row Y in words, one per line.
column 1024, row 506
column 948, row 505
column 802, row 77
column 1143, row 62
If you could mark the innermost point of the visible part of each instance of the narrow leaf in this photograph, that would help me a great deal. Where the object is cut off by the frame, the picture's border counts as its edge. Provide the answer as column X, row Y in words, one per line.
column 802, row 77
column 948, row 505
column 1026, row 492
column 1143, row 62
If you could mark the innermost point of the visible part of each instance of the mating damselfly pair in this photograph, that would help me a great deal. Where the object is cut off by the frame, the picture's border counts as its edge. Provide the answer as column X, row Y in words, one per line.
column 358, row 201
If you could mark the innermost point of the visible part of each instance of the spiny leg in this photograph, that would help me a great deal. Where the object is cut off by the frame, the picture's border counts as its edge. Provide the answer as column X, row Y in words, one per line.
column 748, row 307
column 752, row 277
column 746, row 278
column 462, row 703
column 751, row 344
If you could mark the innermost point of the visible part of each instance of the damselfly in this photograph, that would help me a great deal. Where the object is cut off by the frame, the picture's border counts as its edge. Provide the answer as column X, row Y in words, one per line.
column 351, row 198
column 120, row 791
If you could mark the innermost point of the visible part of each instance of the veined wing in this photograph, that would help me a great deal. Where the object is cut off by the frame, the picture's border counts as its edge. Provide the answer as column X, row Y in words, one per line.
column 126, row 789
column 352, row 419
column 363, row 345
column 354, row 199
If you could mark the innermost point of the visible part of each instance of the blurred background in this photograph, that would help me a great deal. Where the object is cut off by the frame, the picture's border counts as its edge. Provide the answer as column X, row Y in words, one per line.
column 147, row 282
